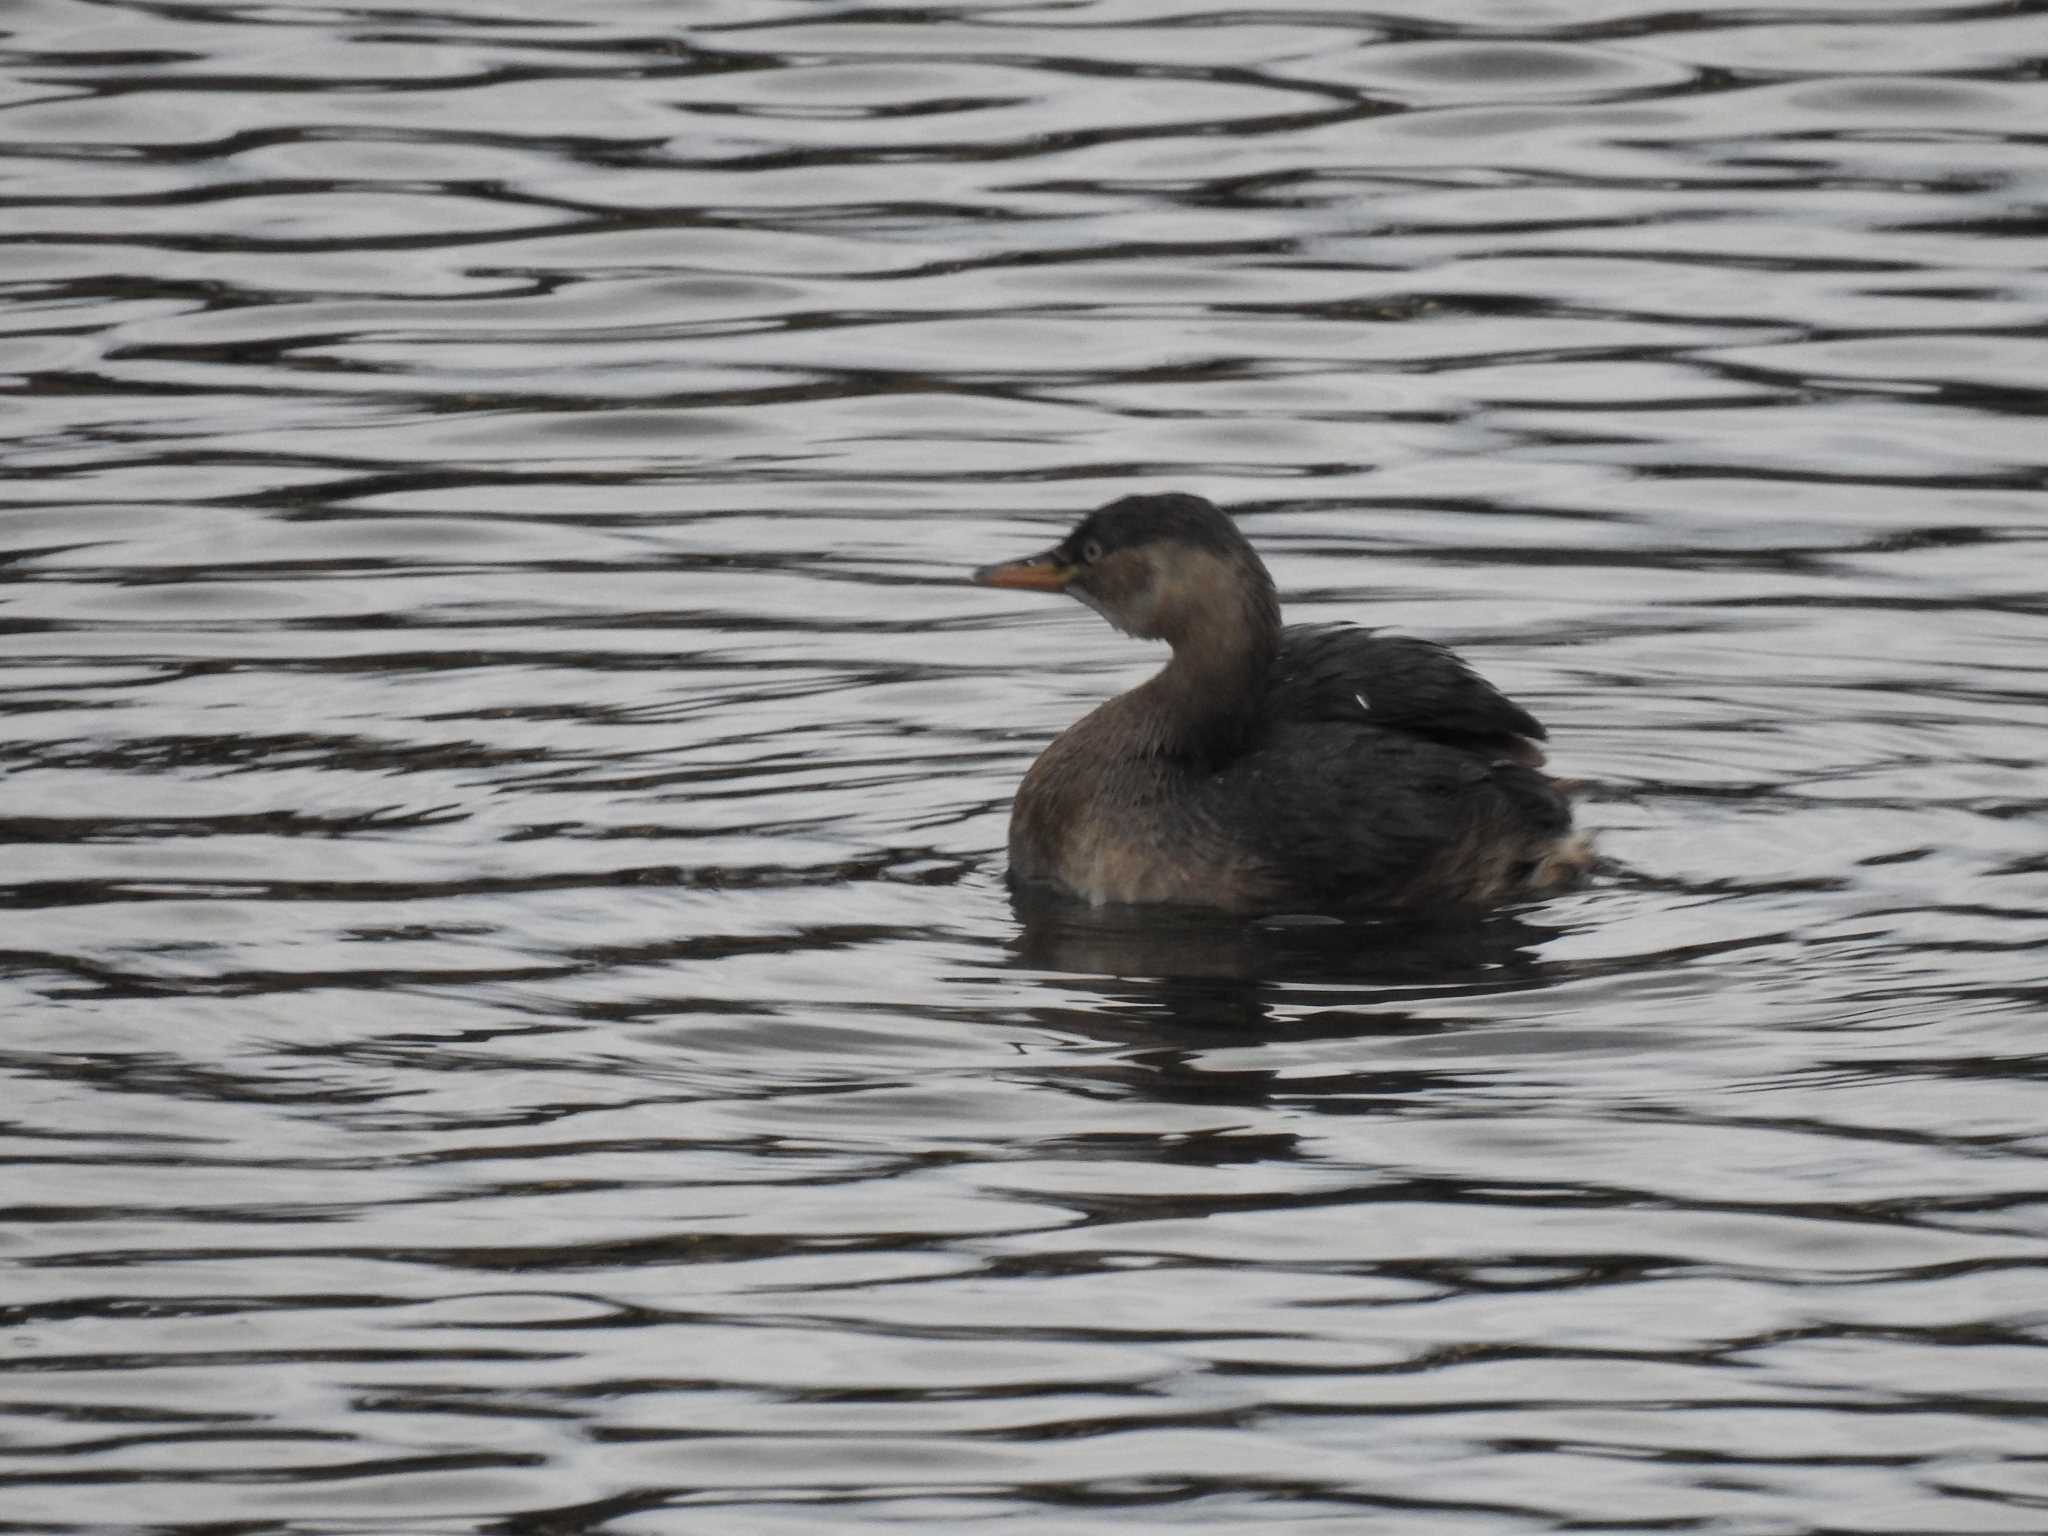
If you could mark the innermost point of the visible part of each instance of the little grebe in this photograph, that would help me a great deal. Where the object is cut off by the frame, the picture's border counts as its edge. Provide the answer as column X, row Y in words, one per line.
column 1315, row 766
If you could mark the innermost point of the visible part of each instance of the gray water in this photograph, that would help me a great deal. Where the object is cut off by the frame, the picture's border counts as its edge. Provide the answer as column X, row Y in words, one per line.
column 513, row 1021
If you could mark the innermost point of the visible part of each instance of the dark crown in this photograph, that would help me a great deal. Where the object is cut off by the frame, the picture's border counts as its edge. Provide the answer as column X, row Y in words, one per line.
column 1170, row 517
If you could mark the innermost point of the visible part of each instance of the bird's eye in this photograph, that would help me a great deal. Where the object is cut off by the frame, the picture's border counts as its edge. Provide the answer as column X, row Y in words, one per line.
column 1091, row 551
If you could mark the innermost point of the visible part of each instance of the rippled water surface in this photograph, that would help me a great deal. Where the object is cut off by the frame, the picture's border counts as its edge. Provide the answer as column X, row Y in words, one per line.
column 514, row 1022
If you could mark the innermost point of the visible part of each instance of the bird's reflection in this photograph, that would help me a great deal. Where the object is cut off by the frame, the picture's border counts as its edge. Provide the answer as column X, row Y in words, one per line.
column 1188, row 977
column 1179, row 996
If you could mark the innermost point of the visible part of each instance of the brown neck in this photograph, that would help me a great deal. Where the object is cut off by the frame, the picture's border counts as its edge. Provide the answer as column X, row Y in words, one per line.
column 1209, row 700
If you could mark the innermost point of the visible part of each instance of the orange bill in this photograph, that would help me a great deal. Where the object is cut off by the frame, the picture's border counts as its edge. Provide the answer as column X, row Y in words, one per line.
column 1045, row 572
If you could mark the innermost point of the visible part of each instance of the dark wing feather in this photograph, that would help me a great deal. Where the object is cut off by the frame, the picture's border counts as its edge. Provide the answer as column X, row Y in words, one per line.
column 1340, row 672
column 1355, row 814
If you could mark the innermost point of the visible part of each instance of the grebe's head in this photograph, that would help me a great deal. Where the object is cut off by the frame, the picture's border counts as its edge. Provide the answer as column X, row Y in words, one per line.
column 1160, row 567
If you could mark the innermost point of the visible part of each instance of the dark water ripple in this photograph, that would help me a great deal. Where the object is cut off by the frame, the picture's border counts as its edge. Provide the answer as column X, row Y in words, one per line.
column 515, row 1024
